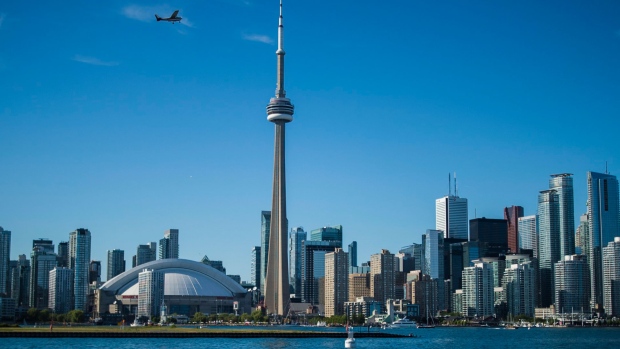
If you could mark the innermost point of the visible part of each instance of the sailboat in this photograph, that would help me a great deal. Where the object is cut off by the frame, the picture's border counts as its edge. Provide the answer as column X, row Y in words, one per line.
column 427, row 324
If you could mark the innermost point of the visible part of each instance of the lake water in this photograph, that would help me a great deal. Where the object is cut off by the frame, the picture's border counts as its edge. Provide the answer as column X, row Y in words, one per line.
column 439, row 337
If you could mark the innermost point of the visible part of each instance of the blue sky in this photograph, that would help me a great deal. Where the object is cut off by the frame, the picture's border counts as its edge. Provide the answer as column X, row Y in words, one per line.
column 114, row 122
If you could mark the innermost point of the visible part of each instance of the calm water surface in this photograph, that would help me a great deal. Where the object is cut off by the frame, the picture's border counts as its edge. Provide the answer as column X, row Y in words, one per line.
column 547, row 338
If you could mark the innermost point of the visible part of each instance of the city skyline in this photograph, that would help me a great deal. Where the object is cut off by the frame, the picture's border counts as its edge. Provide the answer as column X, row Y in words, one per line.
column 147, row 146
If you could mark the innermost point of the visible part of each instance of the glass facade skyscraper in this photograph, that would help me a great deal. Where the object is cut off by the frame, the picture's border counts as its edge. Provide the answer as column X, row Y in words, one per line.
column 297, row 235
column 79, row 259
column 169, row 245
column 548, row 243
column 528, row 234
column 265, row 227
column 5, row 257
column 603, row 216
column 116, row 263
column 327, row 234
column 563, row 186
column 451, row 216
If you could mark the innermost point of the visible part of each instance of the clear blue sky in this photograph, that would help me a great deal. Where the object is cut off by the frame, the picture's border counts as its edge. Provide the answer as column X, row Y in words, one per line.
column 114, row 122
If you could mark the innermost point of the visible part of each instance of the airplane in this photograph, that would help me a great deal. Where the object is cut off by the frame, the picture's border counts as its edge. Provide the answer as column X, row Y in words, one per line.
column 172, row 18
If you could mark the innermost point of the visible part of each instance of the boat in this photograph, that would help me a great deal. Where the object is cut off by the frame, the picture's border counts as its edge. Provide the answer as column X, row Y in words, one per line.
column 349, row 343
column 136, row 323
column 425, row 326
column 404, row 322
column 321, row 324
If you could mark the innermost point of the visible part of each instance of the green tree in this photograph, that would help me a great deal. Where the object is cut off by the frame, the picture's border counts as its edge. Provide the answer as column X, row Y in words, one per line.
column 44, row 315
column 32, row 314
column 75, row 316
column 199, row 317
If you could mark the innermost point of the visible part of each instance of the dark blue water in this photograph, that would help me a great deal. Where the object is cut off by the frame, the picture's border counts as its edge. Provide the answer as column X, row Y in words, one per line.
column 548, row 338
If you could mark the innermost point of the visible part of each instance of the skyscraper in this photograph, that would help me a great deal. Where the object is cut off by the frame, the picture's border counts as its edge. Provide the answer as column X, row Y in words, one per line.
column 336, row 282
column 382, row 276
column 146, row 253
column 572, row 284
column 255, row 267
column 150, row 292
column 478, row 295
column 42, row 261
column 519, row 286
column 21, row 288
column 611, row 277
column 94, row 272
column 5, row 258
column 493, row 232
column 279, row 111
column 511, row 215
column 327, row 234
column 116, row 263
column 169, row 245
column 603, row 225
column 63, row 254
column 265, row 226
column 352, row 254
column 451, row 216
column 528, row 234
column 548, row 244
column 433, row 241
column 79, row 261
column 298, row 235
column 61, row 290
column 563, row 186
column 313, row 267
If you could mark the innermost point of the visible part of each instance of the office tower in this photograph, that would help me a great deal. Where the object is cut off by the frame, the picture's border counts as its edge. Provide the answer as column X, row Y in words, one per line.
column 79, row 261
column 218, row 265
column 61, row 290
column 5, row 258
column 519, row 286
column 116, row 263
column 448, row 272
column 611, row 278
column 563, row 186
column 528, row 235
column 46, row 244
column 352, row 254
column 336, row 282
column 512, row 215
column 493, row 232
column 433, row 241
column 478, row 293
column 313, row 267
column 327, row 234
column 20, row 290
column 359, row 285
column 404, row 262
column 451, row 211
column 297, row 236
column 279, row 111
column 603, row 227
column 94, row 272
column 582, row 236
column 572, row 284
column 42, row 261
column 382, row 276
column 63, row 254
column 13, row 280
column 146, row 253
column 255, row 267
column 548, row 244
column 150, row 292
column 169, row 245
column 265, row 226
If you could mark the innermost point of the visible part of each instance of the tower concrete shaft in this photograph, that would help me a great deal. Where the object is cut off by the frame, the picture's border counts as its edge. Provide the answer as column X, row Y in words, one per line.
column 279, row 111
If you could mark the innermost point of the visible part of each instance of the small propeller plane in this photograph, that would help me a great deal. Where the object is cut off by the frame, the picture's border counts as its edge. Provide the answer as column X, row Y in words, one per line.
column 172, row 18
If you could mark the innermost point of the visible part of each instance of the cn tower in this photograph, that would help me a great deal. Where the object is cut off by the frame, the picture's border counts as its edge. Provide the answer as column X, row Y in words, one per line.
column 279, row 111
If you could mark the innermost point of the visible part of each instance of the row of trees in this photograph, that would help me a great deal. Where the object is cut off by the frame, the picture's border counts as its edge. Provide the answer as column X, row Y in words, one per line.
column 45, row 315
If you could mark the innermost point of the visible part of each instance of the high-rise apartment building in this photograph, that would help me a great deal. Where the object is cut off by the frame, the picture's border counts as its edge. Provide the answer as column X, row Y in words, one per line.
column 611, row 278
column 61, row 290
column 313, row 267
column 352, row 254
column 528, row 234
column 94, row 272
column 572, row 284
column 327, row 234
column 451, row 217
column 478, row 293
column 265, row 227
column 582, row 236
column 116, row 263
column 512, row 215
column 255, row 267
column 5, row 258
column 548, row 244
column 297, row 236
column 150, row 292
column 20, row 289
column 146, row 253
column 359, row 285
column 169, row 245
column 563, row 186
column 603, row 224
column 45, row 244
column 519, row 287
column 79, row 261
column 382, row 276
column 41, row 261
column 423, row 291
column 63, row 254
column 336, row 282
